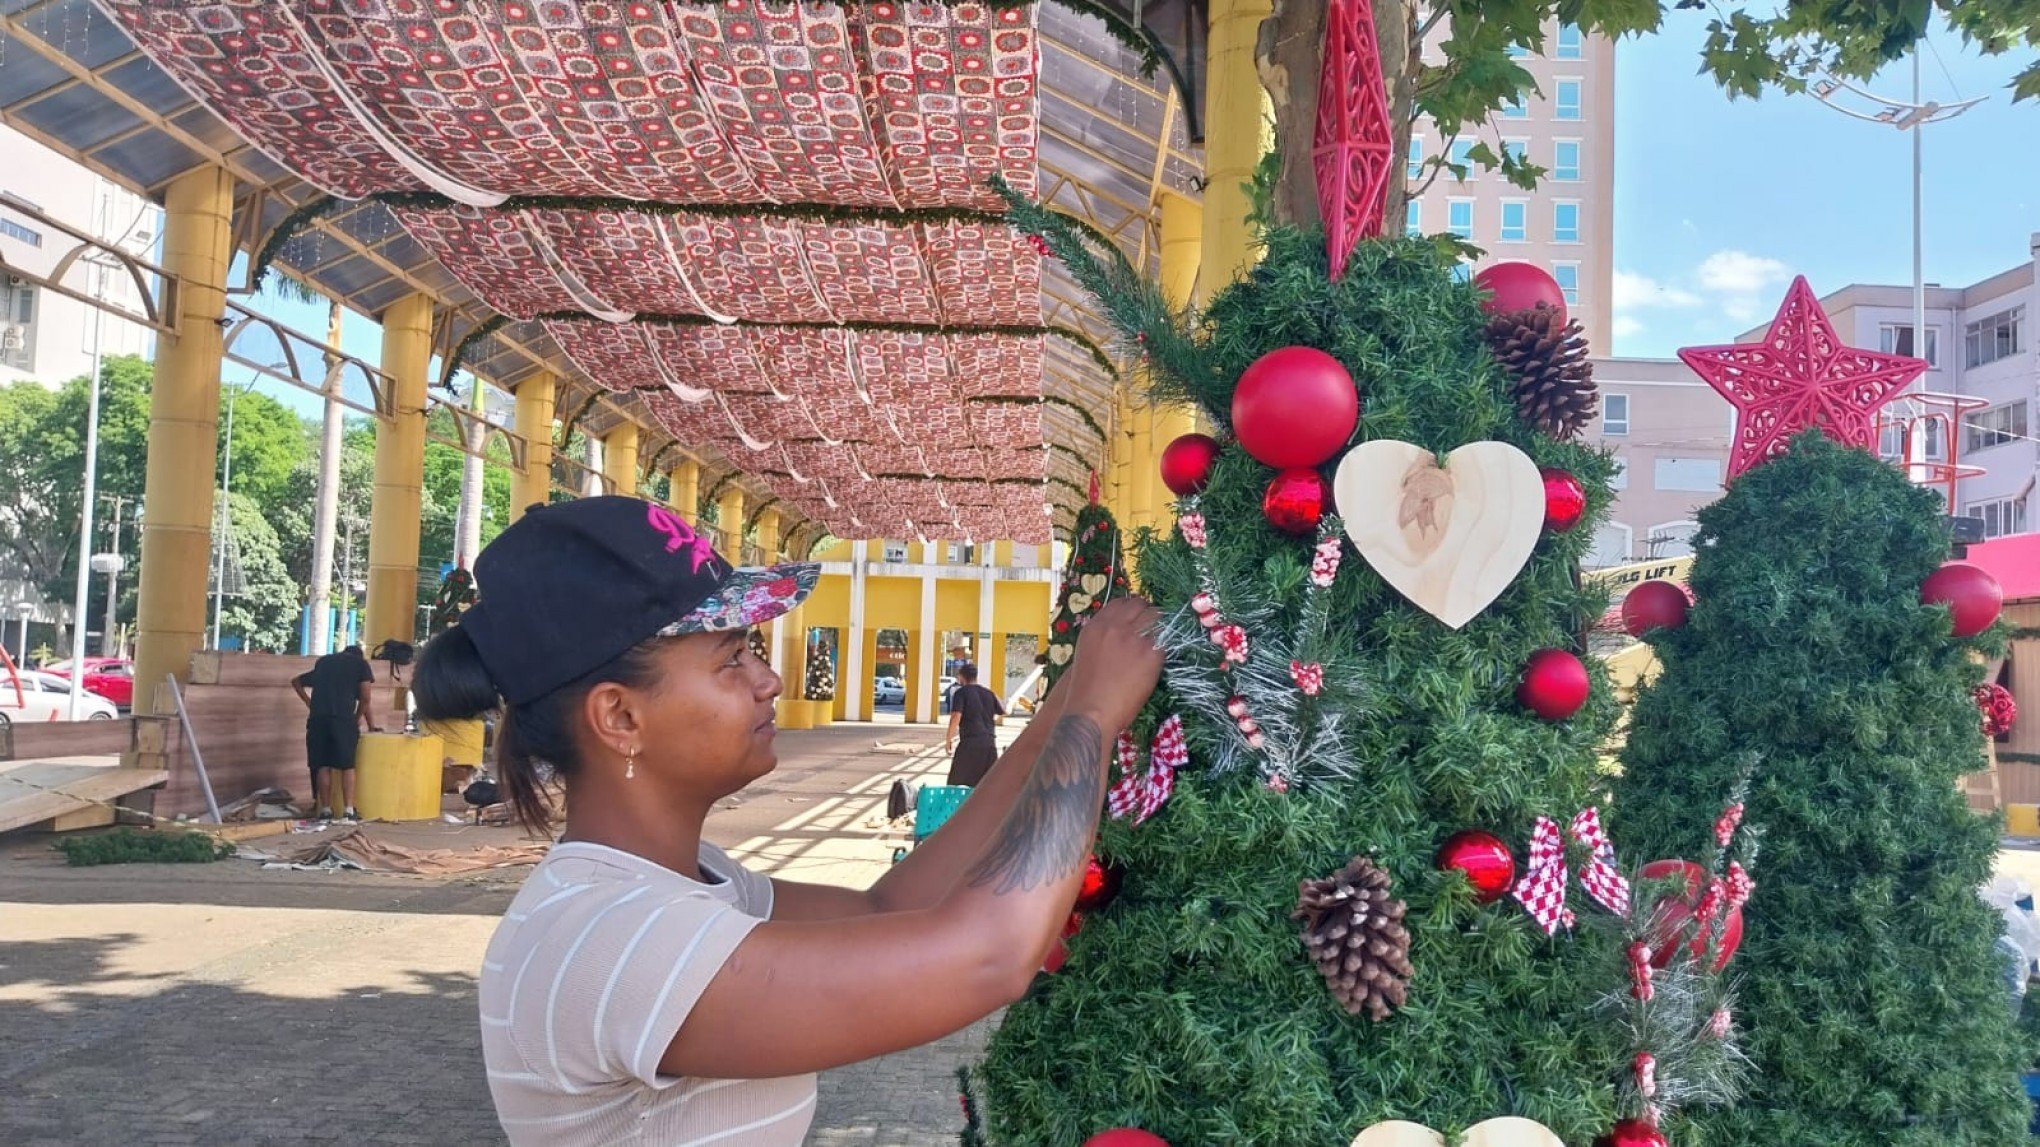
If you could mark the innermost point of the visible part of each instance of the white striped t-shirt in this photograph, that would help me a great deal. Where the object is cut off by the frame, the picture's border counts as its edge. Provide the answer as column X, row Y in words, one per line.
column 589, row 977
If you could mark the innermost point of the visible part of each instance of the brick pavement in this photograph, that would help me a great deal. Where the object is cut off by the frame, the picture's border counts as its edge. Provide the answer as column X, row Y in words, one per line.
column 227, row 1004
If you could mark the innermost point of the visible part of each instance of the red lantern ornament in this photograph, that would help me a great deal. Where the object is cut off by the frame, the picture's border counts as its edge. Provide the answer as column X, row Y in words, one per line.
column 2000, row 711
column 1126, row 1137
column 1633, row 1133
column 1517, row 286
column 1656, row 604
column 1295, row 501
column 1969, row 592
column 1186, row 463
column 1565, row 499
column 1100, row 886
column 1555, row 684
column 1485, row 859
column 1676, row 917
column 1295, row 407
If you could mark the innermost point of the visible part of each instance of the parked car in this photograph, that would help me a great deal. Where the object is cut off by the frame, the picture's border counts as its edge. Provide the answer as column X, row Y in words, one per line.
column 31, row 696
column 111, row 677
column 888, row 691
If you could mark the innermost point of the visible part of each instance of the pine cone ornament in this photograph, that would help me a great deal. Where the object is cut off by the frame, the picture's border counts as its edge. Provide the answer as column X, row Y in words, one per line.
column 1550, row 376
column 1353, row 928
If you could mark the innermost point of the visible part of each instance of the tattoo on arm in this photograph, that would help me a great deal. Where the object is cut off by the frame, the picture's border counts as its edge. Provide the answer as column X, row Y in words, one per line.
column 1048, row 830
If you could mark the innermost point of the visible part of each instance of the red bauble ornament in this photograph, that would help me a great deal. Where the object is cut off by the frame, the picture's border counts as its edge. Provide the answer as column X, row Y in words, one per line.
column 1969, row 592
column 1295, row 407
column 1186, row 463
column 1295, row 501
column 1555, row 684
column 1126, row 1137
column 1485, row 859
column 1674, row 920
column 1519, row 287
column 1101, row 885
column 1655, row 604
column 1565, row 499
column 1633, row 1133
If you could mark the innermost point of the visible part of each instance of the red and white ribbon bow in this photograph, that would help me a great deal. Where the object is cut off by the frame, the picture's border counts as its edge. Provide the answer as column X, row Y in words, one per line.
column 1543, row 888
column 1143, row 793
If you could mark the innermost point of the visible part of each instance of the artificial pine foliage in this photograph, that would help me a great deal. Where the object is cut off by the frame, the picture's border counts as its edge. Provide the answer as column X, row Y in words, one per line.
column 821, row 674
column 1875, row 1009
column 1095, row 575
column 1190, row 1005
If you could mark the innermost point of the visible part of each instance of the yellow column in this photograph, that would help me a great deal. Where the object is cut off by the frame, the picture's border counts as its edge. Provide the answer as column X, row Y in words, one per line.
column 619, row 459
column 1238, row 129
column 1182, row 248
column 532, row 485
column 1118, row 476
column 1143, row 474
column 184, row 406
column 399, row 475
column 684, row 490
column 730, row 521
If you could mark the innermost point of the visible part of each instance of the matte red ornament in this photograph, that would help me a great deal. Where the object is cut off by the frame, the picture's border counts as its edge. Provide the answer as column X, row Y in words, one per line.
column 1673, row 920
column 1354, row 139
column 1516, row 286
column 1973, row 596
column 1565, row 499
column 1295, row 407
column 1656, row 604
column 1187, row 462
column 1126, row 1137
column 1295, row 500
column 1100, row 886
column 1555, row 684
column 1801, row 377
column 1485, row 859
column 1633, row 1133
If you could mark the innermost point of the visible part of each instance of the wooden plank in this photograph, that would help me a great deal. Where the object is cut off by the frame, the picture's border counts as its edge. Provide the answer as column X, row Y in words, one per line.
column 71, row 738
column 36, row 791
column 91, row 816
column 246, row 669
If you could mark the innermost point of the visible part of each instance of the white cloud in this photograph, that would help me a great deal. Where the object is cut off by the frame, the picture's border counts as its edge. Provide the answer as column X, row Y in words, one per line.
column 1741, row 273
column 1626, row 327
column 1634, row 292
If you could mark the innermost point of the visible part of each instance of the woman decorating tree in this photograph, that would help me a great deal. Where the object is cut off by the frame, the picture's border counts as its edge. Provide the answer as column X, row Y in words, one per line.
column 644, row 988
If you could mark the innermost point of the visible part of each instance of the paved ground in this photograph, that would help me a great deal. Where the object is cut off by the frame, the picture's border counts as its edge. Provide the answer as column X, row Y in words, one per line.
column 227, row 1003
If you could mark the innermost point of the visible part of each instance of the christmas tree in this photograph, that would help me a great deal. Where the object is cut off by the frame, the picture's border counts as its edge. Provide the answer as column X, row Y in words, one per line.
column 821, row 673
column 1876, row 1010
column 1095, row 575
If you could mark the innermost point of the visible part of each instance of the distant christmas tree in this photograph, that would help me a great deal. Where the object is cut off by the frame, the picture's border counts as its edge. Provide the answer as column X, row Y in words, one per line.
column 1096, row 574
column 821, row 674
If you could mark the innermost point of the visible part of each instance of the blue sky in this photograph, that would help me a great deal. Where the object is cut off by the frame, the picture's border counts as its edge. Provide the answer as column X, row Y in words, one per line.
column 1718, row 204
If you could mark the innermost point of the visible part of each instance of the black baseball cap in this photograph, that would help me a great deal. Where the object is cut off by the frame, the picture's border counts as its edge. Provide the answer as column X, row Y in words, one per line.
column 572, row 586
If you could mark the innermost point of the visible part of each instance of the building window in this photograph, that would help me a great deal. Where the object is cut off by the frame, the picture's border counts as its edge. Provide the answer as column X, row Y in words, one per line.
column 1462, row 159
column 1897, row 338
column 1515, row 220
column 1462, row 272
column 1568, row 100
column 1459, row 217
column 17, row 327
column 1565, row 160
column 1565, row 222
column 1413, row 224
column 1993, row 338
column 1670, row 540
column 2004, row 516
column 1687, row 475
column 1518, row 149
column 13, row 230
column 896, row 552
column 1572, row 43
column 1515, row 108
column 1568, row 276
column 1518, row 52
column 1416, row 170
column 1620, row 479
column 1614, row 415
column 1996, row 426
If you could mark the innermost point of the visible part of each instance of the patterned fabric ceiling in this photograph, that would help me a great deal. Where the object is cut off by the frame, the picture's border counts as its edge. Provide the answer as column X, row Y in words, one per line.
column 866, row 342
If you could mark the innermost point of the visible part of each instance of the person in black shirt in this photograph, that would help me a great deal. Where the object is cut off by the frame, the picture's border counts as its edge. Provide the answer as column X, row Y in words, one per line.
column 336, row 690
column 972, row 710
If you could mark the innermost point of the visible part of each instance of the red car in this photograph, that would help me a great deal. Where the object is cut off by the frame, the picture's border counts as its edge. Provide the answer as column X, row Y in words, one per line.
column 111, row 677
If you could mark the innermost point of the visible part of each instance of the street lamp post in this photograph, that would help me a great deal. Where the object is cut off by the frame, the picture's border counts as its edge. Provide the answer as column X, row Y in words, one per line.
column 23, row 610
column 226, row 518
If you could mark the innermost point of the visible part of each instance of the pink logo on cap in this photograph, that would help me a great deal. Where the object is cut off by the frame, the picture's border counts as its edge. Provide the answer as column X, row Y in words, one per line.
column 680, row 535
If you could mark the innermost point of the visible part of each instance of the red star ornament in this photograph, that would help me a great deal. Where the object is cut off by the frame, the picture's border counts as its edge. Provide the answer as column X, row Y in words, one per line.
column 1353, row 137
column 1802, row 376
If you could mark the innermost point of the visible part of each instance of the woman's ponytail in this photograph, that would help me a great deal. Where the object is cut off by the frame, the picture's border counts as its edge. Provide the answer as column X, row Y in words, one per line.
column 450, row 683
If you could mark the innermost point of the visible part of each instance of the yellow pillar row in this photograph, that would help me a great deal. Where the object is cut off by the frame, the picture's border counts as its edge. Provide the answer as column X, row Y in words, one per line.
column 1182, row 251
column 729, row 511
column 619, row 460
column 684, row 490
column 532, row 485
column 399, row 474
column 184, row 406
column 1238, row 129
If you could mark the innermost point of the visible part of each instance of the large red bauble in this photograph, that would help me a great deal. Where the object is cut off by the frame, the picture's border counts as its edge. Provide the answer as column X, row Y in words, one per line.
column 1126, row 1137
column 1673, row 918
column 1295, row 407
column 1633, row 1133
column 1565, row 499
column 1555, row 684
column 1295, row 501
column 1485, row 859
column 1100, row 886
column 1969, row 592
column 1656, row 604
column 1519, row 287
column 1186, row 463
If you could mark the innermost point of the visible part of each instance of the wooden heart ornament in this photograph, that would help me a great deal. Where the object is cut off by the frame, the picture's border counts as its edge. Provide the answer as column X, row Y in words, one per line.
column 1449, row 538
column 1507, row 1132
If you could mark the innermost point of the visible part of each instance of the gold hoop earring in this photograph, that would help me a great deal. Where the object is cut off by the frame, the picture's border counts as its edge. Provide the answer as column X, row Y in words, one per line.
column 630, row 763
